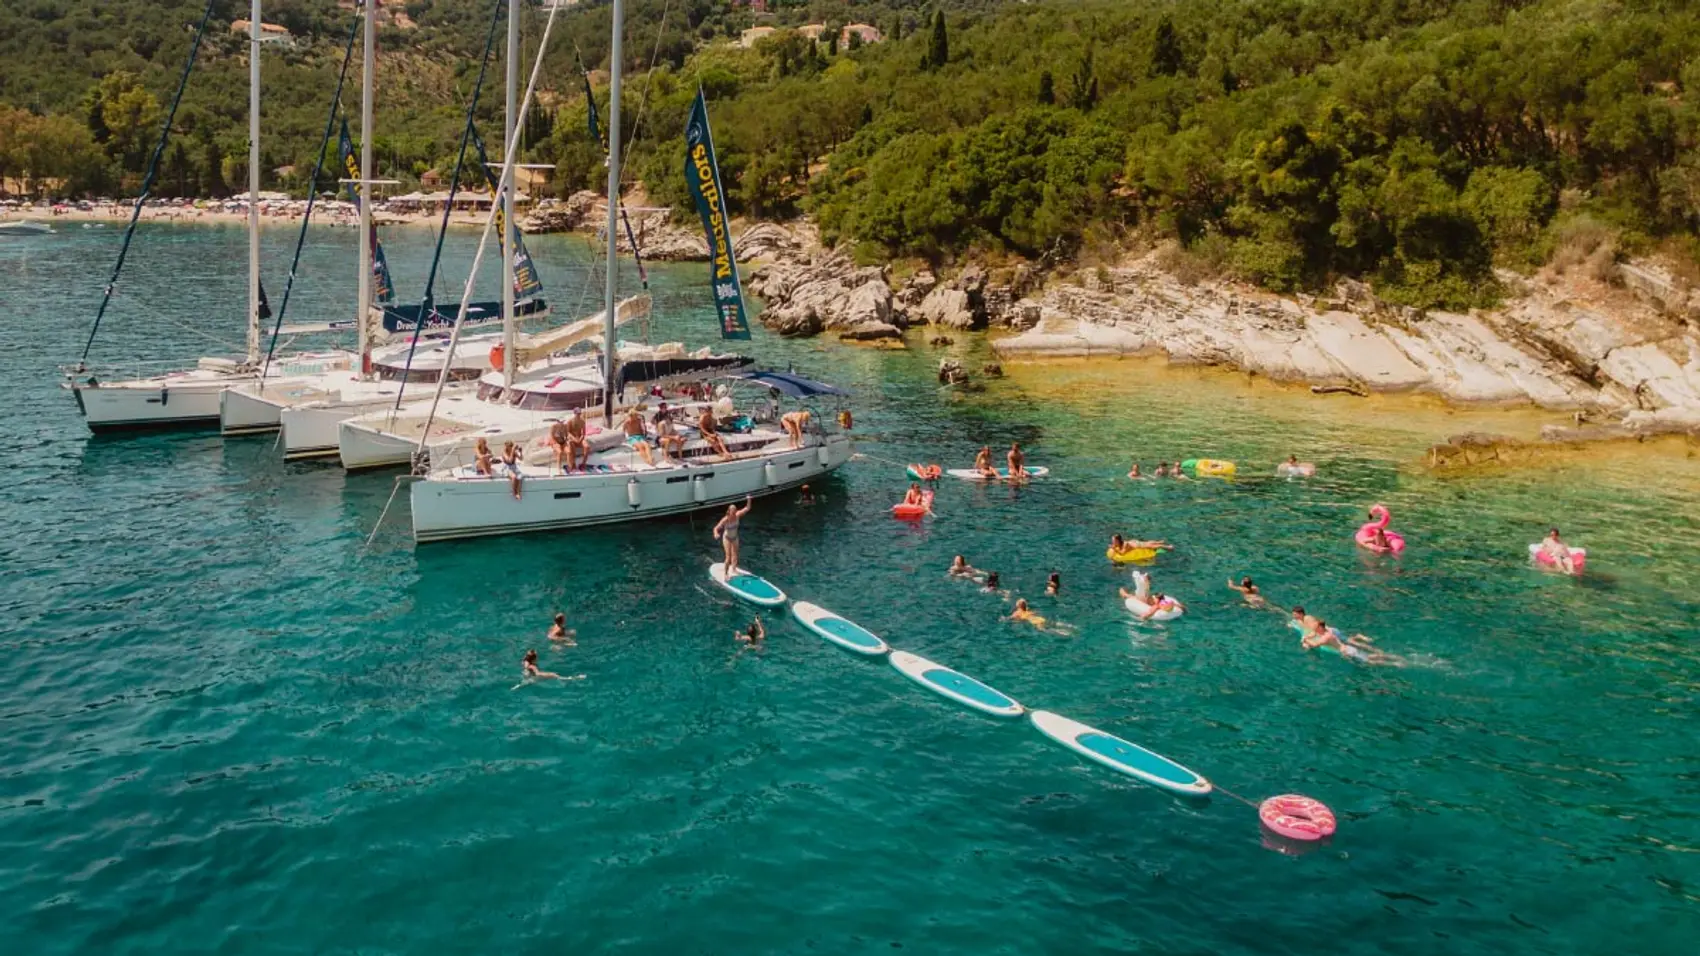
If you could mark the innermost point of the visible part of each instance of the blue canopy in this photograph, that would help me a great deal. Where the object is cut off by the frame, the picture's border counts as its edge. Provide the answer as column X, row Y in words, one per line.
column 786, row 383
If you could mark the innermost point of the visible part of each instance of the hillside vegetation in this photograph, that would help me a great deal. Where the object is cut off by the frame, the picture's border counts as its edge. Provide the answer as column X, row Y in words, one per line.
column 1416, row 143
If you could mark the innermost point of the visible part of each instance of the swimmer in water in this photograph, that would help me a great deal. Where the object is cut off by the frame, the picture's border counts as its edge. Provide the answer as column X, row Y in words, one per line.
column 1176, row 472
column 1162, row 471
column 1024, row 613
column 1555, row 548
column 992, row 583
column 1134, row 472
column 1356, row 648
column 1249, row 591
column 1053, row 584
column 805, row 496
column 1303, row 621
column 561, row 633
column 960, row 568
column 754, row 635
column 529, row 669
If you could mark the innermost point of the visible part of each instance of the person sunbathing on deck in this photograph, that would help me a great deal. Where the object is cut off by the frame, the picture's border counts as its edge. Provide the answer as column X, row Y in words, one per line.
column 710, row 435
column 483, row 463
column 636, row 440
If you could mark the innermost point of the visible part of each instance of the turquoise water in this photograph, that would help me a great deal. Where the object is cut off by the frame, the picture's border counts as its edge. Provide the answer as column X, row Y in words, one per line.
column 227, row 727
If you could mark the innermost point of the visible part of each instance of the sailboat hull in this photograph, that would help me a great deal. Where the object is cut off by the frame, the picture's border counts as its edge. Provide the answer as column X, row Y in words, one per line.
column 150, row 404
column 446, row 508
column 242, row 411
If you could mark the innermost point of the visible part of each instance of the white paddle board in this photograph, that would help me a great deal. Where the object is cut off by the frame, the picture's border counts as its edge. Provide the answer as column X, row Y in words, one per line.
column 845, row 633
column 1119, row 755
column 959, row 687
column 969, row 474
column 754, row 589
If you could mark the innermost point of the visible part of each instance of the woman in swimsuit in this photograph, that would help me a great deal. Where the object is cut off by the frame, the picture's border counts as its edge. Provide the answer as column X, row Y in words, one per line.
column 795, row 423
column 483, row 462
column 510, row 460
column 913, row 495
column 960, row 568
column 983, row 464
column 1249, row 591
column 1554, row 547
column 726, row 532
column 755, row 635
column 529, row 669
column 1053, row 584
column 1134, row 471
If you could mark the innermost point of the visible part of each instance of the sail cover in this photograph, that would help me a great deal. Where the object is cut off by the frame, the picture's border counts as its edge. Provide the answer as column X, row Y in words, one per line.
column 383, row 290
column 702, row 175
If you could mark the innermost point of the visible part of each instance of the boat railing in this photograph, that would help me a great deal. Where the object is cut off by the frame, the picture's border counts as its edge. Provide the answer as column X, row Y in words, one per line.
column 136, row 369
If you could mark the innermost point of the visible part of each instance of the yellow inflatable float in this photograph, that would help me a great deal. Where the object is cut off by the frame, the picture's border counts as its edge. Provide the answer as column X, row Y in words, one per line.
column 1131, row 555
column 1210, row 467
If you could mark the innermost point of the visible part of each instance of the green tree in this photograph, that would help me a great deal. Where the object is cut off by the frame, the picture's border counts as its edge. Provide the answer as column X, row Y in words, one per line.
column 1047, row 89
column 1166, row 56
column 938, row 46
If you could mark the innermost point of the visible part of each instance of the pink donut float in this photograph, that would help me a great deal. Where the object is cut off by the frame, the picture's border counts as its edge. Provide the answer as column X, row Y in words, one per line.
column 1297, row 817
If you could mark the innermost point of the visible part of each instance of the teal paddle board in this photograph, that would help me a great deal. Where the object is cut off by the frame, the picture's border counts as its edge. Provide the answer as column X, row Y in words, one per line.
column 749, row 587
column 959, row 687
column 969, row 474
column 1119, row 755
column 846, row 634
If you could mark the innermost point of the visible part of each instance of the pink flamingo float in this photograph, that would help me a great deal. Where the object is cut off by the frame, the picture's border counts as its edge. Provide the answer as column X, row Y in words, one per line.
column 1366, row 536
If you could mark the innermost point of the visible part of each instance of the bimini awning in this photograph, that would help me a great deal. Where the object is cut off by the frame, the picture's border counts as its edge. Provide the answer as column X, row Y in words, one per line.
column 785, row 383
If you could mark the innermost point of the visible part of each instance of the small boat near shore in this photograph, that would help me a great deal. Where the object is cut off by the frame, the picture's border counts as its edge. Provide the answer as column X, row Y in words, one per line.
column 19, row 228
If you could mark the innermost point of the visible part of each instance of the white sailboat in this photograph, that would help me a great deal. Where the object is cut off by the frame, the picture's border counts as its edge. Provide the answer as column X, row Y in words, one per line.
column 456, row 499
column 310, row 407
column 193, row 396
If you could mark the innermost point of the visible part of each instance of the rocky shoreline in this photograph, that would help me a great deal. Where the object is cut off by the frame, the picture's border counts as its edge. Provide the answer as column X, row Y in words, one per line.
column 1622, row 356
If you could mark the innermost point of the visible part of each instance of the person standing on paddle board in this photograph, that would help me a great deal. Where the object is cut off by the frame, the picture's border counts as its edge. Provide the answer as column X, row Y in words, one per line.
column 726, row 532
column 1017, row 463
column 983, row 464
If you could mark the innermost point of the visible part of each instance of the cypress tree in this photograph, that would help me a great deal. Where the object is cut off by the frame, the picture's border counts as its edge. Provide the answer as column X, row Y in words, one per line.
column 938, row 50
column 1047, row 89
column 1166, row 56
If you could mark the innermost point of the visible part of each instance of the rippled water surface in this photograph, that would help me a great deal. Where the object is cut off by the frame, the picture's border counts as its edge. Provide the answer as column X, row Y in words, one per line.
column 227, row 727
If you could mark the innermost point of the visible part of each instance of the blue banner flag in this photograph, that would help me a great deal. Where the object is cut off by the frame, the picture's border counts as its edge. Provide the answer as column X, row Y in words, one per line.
column 526, row 283
column 702, row 175
column 383, row 290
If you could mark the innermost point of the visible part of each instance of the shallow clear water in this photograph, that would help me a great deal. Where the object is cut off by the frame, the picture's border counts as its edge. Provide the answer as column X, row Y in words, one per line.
column 226, row 726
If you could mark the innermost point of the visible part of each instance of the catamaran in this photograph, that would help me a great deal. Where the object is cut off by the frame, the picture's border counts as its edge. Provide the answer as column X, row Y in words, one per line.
column 759, row 453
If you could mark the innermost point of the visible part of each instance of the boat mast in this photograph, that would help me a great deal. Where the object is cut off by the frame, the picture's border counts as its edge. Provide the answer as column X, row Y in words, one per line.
column 363, row 317
column 254, row 182
column 609, row 359
column 508, row 359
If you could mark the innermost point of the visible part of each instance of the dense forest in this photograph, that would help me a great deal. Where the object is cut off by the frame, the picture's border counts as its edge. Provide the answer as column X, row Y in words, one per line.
column 1417, row 143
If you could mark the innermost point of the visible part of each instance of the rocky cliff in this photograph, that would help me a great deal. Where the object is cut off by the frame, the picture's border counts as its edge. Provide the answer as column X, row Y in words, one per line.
column 1623, row 355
